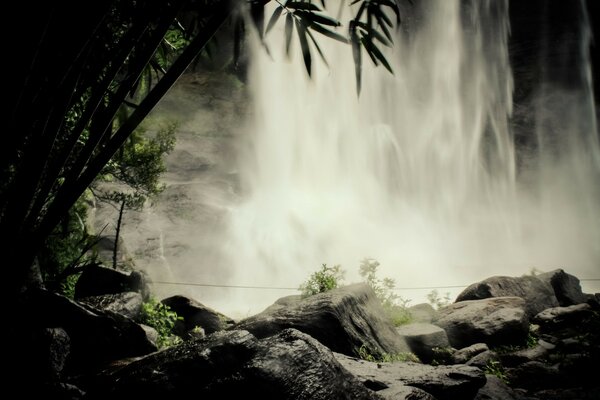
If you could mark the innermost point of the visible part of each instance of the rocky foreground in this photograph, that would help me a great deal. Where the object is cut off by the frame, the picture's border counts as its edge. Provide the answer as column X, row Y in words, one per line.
column 529, row 338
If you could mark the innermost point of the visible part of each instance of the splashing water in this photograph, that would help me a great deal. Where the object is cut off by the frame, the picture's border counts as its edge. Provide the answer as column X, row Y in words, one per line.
column 420, row 172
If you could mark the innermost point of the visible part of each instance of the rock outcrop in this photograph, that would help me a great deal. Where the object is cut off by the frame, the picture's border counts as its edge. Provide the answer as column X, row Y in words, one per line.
column 494, row 321
column 343, row 319
column 538, row 294
column 97, row 280
column 442, row 382
column 227, row 364
column 195, row 314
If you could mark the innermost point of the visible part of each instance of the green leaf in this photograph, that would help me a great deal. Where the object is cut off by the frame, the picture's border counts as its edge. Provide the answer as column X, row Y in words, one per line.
column 374, row 52
column 274, row 18
column 289, row 29
column 298, row 5
column 329, row 33
column 301, row 28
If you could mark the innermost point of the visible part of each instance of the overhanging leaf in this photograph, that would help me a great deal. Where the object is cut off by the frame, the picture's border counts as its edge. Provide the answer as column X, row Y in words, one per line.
column 297, row 5
column 354, row 39
column 301, row 28
column 274, row 18
column 374, row 52
column 318, row 18
column 329, row 33
column 317, row 47
column 289, row 29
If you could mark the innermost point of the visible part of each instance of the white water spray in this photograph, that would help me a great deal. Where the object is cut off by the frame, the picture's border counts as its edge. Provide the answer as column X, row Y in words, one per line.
column 419, row 172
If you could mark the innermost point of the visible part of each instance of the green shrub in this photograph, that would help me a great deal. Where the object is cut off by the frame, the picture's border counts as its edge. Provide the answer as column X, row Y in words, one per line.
column 394, row 305
column 437, row 301
column 495, row 367
column 162, row 318
column 327, row 278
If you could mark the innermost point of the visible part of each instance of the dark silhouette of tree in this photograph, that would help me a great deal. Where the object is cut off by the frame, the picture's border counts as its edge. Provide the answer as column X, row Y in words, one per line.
column 76, row 65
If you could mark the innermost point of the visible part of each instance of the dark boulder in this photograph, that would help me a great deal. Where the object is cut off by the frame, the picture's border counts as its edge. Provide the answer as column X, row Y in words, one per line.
column 567, row 288
column 227, row 364
column 128, row 304
column 495, row 389
column 538, row 294
column 466, row 353
column 96, row 337
column 494, row 321
column 423, row 339
column 194, row 315
column 97, row 280
column 445, row 382
column 343, row 319
column 557, row 318
column 422, row 312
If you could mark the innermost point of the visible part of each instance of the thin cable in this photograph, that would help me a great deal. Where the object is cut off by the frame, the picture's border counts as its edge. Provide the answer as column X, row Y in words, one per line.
column 297, row 289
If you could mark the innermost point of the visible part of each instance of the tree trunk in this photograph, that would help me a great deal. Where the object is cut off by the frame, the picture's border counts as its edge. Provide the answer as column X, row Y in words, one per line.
column 117, row 233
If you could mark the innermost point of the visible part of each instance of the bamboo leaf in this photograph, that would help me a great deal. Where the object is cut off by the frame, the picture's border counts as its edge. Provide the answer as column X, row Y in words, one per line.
column 329, row 33
column 301, row 28
column 394, row 8
column 374, row 52
column 384, row 28
column 317, row 47
column 257, row 12
column 354, row 39
column 298, row 5
column 367, row 44
column 374, row 33
column 318, row 18
column 274, row 18
column 289, row 29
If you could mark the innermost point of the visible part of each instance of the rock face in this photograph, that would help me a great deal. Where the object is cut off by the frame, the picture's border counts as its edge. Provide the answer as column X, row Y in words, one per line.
column 128, row 304
column 495, row 389
column 195, row 314
column 494, row 321
column 289, row 365
column 538, row 294
column 566, row 287
column 343, row 319
column 442, row 382
column 97, row 280
column 423, row 338
column 423, row 312
column 96, row 337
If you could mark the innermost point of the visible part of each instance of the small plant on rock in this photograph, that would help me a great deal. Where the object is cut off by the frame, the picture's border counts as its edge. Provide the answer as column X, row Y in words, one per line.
column 437, row 301
column 162, row 318
column 495, row 367
column 394, row 305
column 323, row 280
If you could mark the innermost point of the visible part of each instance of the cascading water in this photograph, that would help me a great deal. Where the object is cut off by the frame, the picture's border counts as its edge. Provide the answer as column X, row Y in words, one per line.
column 420, row 172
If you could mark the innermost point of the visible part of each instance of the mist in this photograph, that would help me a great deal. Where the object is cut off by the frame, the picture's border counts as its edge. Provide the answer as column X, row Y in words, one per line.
column 422, row 172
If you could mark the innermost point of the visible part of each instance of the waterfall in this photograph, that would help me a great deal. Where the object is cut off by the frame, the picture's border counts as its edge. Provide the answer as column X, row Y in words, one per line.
column 420, row 172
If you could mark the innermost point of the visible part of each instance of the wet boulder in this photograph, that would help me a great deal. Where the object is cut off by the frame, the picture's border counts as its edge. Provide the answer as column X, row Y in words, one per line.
column 128, row 304
column 538, row 294
column 567, row 288
column 288, row 365
column 195, row 315
column 423, row 338
column 343, row 319
column 97, row 280
column 494, row 321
